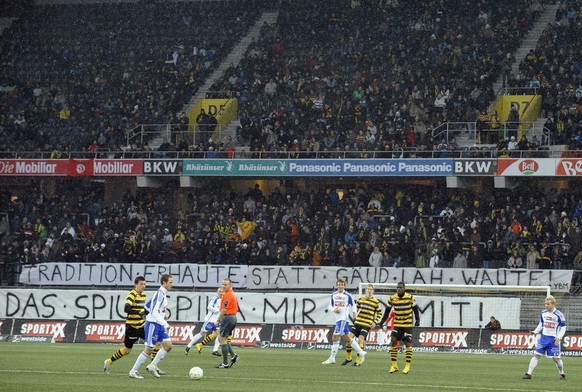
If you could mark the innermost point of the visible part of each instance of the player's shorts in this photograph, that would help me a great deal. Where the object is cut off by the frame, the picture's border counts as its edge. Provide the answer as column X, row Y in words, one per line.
column 341, row 328
column 208, row 326
column 403, row 333
column 155, row 333
column 359, row 330
column 132, row 335
column 547, row 346
column 227, row 325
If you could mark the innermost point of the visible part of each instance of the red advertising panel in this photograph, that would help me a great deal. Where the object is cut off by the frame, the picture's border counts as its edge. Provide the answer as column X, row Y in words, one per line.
column 43, row 331
column 526, row 167
column 118, row 167
column 33, row 167
column 101, row 332
column 514, row 339
column 181, row 333
column 248, row 335
column 306, row 334
column 572, row 342
column 569, row 167
column 80, row 167
column 443, row 338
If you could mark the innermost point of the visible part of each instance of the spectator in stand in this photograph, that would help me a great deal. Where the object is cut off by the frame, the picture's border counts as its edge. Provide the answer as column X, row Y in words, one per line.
column 375, row 259
column 493, row 324
column 532, row 257
column 460, row 260
column 512, row 123
column 515, row 260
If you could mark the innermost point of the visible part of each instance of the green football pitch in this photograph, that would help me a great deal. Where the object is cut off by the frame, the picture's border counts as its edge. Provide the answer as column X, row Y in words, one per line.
column 79, row 367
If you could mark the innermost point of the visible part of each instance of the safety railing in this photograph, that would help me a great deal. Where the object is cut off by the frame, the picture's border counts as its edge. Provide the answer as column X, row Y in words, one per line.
column 464, row 152
column 173, row 133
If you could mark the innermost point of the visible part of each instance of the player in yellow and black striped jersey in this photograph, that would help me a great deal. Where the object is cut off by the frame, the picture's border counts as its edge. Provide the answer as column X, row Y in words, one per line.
column 134, row 322
column 404, row 306
column 369, row 314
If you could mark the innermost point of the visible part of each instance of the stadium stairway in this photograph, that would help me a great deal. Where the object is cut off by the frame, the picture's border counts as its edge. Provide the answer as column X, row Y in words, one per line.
column 547, row 15
column 234, row 57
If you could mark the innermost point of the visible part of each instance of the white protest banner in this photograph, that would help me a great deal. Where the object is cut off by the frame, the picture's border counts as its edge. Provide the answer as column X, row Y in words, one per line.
column 285, row 277
column 257, row 277
column 255, row 308
column 123, row 274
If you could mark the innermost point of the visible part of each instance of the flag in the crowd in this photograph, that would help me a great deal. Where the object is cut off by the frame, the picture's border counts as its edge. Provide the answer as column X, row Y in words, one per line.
column 245, row 229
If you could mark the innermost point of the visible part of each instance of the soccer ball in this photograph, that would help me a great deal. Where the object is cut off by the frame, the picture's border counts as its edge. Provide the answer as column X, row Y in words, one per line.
column 196, row 373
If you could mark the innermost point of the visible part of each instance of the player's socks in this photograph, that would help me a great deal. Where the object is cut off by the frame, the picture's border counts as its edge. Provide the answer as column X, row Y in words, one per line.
column 155, row 352
column 408, row 355
column 195, row 340
column 138, row 362
column 560, row 366
column 207, row 339
column 532, row 365
column 348, row 352
column 393, row 354
column 117, row 355
column 159, row 356
column 334, row 350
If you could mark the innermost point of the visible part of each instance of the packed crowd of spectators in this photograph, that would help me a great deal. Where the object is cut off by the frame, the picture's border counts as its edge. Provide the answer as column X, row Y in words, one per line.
column 379, row 76
column 437, row 227
column 350, row 76
column 77, row 77
column 555, row 69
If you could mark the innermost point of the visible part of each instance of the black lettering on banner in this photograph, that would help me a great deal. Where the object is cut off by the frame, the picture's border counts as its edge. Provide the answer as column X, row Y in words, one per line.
column 418, row 278
column 126, row 273
column 42, row 272
column 98, row 302
column 281, row 275
column 307, row 310
column 119, row 300
column 240, row 312
column 148, row 273
column 14, row 299
column 298, row 270
column 203, row 275
column 460, row 304
column 268, row 271
column 519, row 274
column 31, row 303
column 256, row 273
column 486, row 279
column 57, row 272
column 188, row 276
column 183, row 304
column 111, row 274
column 436, row 276
column 268, row 305
column 338, row 274
column 78, row 303
column 429, row 308
column 533, row 277
column 71, row 272
column 90, row 277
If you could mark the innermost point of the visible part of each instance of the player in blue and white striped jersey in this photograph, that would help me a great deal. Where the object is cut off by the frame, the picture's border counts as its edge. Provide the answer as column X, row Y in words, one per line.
column 156, row 329
column 342, row 304
column 552, row 325
column 209, row 325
